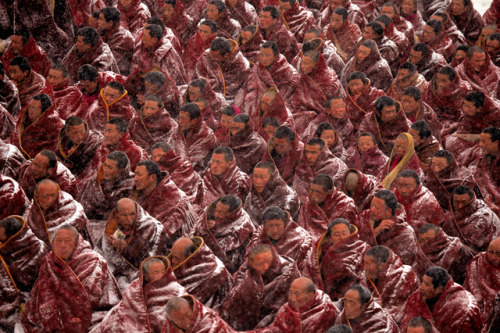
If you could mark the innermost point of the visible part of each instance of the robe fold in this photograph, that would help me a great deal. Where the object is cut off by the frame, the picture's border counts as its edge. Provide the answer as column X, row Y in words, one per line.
column 344, row 38
column 374, row 319
column 286, row 164
column 39, row 62
column 486, row 81
column 9, row 96
column 298, row 20
column 13, row 201
column 134, row 16
column 366, row 188
column 287, row 43
column 11, row 159
column 358, row 107
column 469, row 22
column 248, row 148
column 121, row 43
column 68, row 100
column 487, row 177
column 371, row 162
column 199, row 143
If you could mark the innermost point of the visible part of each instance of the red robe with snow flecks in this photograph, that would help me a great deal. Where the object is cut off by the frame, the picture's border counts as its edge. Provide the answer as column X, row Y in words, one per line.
column 232, row 182
column 195, row 47
column 134, row 17
column 374, row 319
column 159, row 127
column 329, row 52
column 344, row 38
column 486, row 81
column 248, row 148
column 354, row 16
column 82, row 10
column 9, row 96
column 366, row 188
column 121, row 43
column 243, row 12
column 487, row 177
column 360, row 106
column 251, row 48
column 371, row 162
column 286, row 165
column 13, row 201
column 31, row 86
column 181, row 23
column 199, row 143
column 298, row 20
column 7, row 123
column 11, row 159
column 68, row 100
column 39, row 62
column 398, row 86
column 469, row 22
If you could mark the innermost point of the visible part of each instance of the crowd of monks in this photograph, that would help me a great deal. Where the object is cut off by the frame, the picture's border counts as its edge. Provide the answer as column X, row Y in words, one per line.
column 249, row 165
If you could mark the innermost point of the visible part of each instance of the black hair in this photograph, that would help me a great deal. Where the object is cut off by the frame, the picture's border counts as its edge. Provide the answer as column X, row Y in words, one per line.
column 222, row 45
column 324, row 180
column 444, row 154
column 221, row 7
column 211, row 24
column 152, row 169
column 462, row 189
column 386, row 20
column 242, row 118
column 435, row 25
column 342, row 12
column 427, row 227
column 316, row 142
column 120, row 123
column 228, row 111
column 230, row 200
column 389, row 198
column 422, row 129
column 334, row 223
column 339, row 329
column 364, row 293
column 377, row 28
column 155, row 31
column 228, row 153
column 156, row 99
column 120, row 158
column 448, row 71
column 284, row 132
column 73, row 121
column 21, row 62
column 271, row 45
column 421, row 47
column 163, row 146
column 494, row 133
column 409, row 173
column 156, row 78
column 88, row 72
column 358, row 76
column 44, row 101
column 382, row 102
column 11, row 226
column 111, row 14
column 271, row 9
column 266, row 165
column 192, row 109
column 439, row 275
column 89, row 34
column 409, row 66
column 274, row 213
column 270, row 122
column 379, row 252
column 61, row 68
column 51, row 156
column 116, row 85
column 413, row 92
column 420, row 322
column 323, row 127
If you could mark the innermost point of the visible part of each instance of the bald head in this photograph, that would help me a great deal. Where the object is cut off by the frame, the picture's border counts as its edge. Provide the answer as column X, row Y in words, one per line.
column 493, row 253
column 351, row 181
column 302, row 290
column 127, row 213
column 179, row 312
column 46, row 193
column 181, row 250
column 261, row 258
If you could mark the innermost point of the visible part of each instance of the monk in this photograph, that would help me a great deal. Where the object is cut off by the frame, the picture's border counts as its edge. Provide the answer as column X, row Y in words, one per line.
column 281, row 232
column 389, row 281
column 493, row 48
column 67, row 97
column 388, row 49
column 91, row 82
column 175, row 18
column 156, row 83
column 467, row 19
column 89, row 49
column 10, row 94
column 436, row 38
column 427, row 61
column 400, row 24
column 355, row 15
column 390, row 32
column 268, row 276
column 426, row 145
column 296, row 18
column 360, row 188
column 243, row 12
column 336, row 261
column 198, row 270
column 416, row 109
column 198, row 43
column 327, row 133
column 142, row 308
column 407, row 76
column 363, row 314
column 367, row 156
column 226, row 26
column 250, row 40
column 134, row 14
column 324, row 204
column 449, row 306
column 88, row 292
column 341, row 31
column 410, row 11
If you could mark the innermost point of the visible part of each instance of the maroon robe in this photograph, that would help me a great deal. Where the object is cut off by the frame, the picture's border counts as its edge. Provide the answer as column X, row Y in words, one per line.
column 469, row 23
column 82, row 10
column 491, row 14
column 442, row 44
column 199, row 143
column 9, row 96
column 31, row 86
column 427, row 114
column 401, row 238
column 315, row 219
column 354, row 16
column 248, row 147
column 13, row 201
column 416, row 20
column 486, row 81
column 373, row 319
column 402, row 25
column 344, row 130
column 426, row 150
column 371, row 162
column 430, row 64
column 103, row 78
column 285, row 39
column 68, row 100
column 335, row 268
column 134, row 17
column 121, row 43
column 367, row 186
column 159, row 127
column 398, row 86
column 182, row 24
column 11, row 159
column 39, row 62
column 195, row 47
column 286, row 164
column 412, row 164
column 195, row 9
column 245, row 310
column 251, row 48
column 216, row 102
column 456, row 310
column 487, row 178
column 343, row 38
column 398, row 37
column 298, row 20
column 395, row 284
column 204, row 275
column 142, row 308
column 329, row 51
column 7, row 123
column 82, row 288
column 243, row 12
column 359, row 107
column 232, row 182
column 33, row 137
column 389, row 50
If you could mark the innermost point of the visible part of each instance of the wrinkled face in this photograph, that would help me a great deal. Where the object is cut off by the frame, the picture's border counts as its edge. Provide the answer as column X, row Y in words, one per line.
column 388, row 113
column 47, row 194
column 16, row 44
column 415, row 56
column 127, row 214
column 469, row 108
column 402, row 73
column 245, row 36
column 425, row 238
column 218, row 164
column 155, row 272
column 317, row 193
column 266, row 21
column 307, row 65
column 378, row 210
column 112, row 135
column 110, row 95
column 493, row 254
column 408, row 7
column 488, row 146
column 103, row 24
column 168, row 12
column 457, row 7
column 477, row 61
column 417, row 140
column 260, row 178
column 409, row 104
column 205, row 31
column 226, row 121
column 336, row 22
column 372, row 268
column 400, row 146
column 389, row 11
column 261, row 262
column 356, row 86
column 126, row 3
column 428, row 34
column 16, row 74
column 274, row 229
column 185, row 121
column 150, row 108
column 81, row 46
column 34, row 110
column 339, row 232
column 110, row 169
column 438, row 164
column 221, row 211
column 64, row 244
column 298, row 295
column 217, row 56
column 55, row 77
column 142, row 179
column 282, row 146
column 266, row 102
column 365, row 143
column 312, row 153
column 329, row 137
column 213, row 13
column 406, row 186
column 492, row 46
column 156, row 154
column 147, row 40
column 460, row 200
column 362, row 53
column 427, row 289
column 39, row 167
column 337, row 108
column 368, row 33
column 442, row 82
column 284, row 5
column 237, row 127
column 352, row 303
column 266, row 57
column 89, row 86
column 182, row 318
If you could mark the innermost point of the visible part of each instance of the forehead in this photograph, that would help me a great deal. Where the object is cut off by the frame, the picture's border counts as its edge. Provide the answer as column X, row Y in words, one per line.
column 312, row 148
column 221, row 206
column 64, row 233
column 406, row 180
column 274, row 222
column 340, row 227
column 261, row 171
column 47, row 188
column 442, row 77
column 352, row 295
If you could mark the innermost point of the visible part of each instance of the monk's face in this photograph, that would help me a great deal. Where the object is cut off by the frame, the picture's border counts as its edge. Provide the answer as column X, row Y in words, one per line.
column 16, row 74
column 266, row 57
column 408, row 7
column 419, row 329
column 194, row 93
column 339, row 232
column 221, row 211
column 493, row 253
column 110, row 169
column 110, row 94
column 245, row 36
column 237, row 127
column 182, row 318
column 356, row 86
column 461, row 200
column 150, row 108
column 409, row 104
column 298, row 296
column 362, row 53
column 232, row 3
column 46, row 194
column 389, row 11
column 89, row 86
column 126, row 3
column 262, row 261
column 336, row 22
column 260, row 178
column 470, row 109
column 185, row 121
column 142, row 179
column 274, row 228
column 417, row 140
column 81, row 46
column 372, row 267
column 147, row 40
column 217, row 56
column 156, row 154
column 334, row 4
column 442, row 82
column 64, row 244
column 459, row 55
column 34, row 110
column 492, row 46
column 438, row 164
column 487, row 146
column 400, row 146
column 177, row 255
column 310, row 36
column 485, row 33
column 267, row 101
column 388, row 113
column 112, row 135
column 55, row 77
column 312, row 153
column 329, row 137
column 317, row 193
column 368, row 33
column 127, row 213
column 3, row 235
column 16, row 44
column 226, row 121
column 219, row 165
column 307, row 65
column 457, row 7
column 427, row 289
column 337, row 108
column 168, row 12
column 352, row 303
column 40, row 167
column 477, row 61
column 284, row 5
column 213, row 13
column 103, row 24
column 425, row 238
column 269, row 130
column 205, row 32
column 365, row 143
column 155, row 271
column 282, row 146
column 402, row 73
column 406, row 186
column 428, row 34
column 378, row 210
column 266, row 21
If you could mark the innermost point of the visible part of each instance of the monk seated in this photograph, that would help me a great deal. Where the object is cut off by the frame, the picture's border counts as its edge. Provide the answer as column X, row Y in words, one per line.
column 268, row 277
column 436, row 37
column 367, row 156
column 327, row 133
column 449, row 306
column 88, row 292
column 273, row 30
column 427, row 61
column 407, row 76
column 142, row 307
column 10, row 94
column 159, row 84
column 324, row 204
column 281, row 232
column 387, row 47
column 227, row 26
column 361, row 188
column 134, row 14
column 296, row 18
column 492, row 46
column 416, row 109
column 198, row 43
column 250, row 40
column 68, row 98
column 390, row 32
column 342, row 31
column 182, row 24
column 91, row 82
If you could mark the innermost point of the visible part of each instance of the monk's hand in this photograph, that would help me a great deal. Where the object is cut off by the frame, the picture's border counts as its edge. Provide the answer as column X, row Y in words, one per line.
column 72, row 150
column 75, row 320
column 211, row 224
column 383, row 226
column 119, row 244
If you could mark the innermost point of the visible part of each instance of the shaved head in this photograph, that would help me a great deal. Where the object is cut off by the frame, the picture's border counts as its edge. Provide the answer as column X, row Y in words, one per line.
column 181, row 250
column 493, row 253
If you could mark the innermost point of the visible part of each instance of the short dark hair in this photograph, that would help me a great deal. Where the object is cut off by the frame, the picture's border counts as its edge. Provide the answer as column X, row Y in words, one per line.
column 383, row 101
column 250, row 28
column 88, row 72
column 339, row 328
column 230, row 200
column 444, row 154
column 221, row 7
column 156, row 99
column 120, row 158
column 89, row 34
column 477, row 97
column 228, row 111
column 199, row 83
column 324, row 180
column 390, row 4
column 67, row 226
column 211, row 24
column 120, row 123
column 422, row 129
column 409, row 173
column 228, row 153
column 44, row 101
column 369, row 44
column 313, row 55
column 409, row 66
column 316, row 142
column 463, row 47
column 271, row 9
column 380, row 253
column 274, row 213
column 435, row 25
column 494, row 133
column 116, row 85
column 358, row 76
column 377, row 28
column 463, row 189
column 155, row 77
column 342, row 12
column 427, row 227
column 222, row 45
column 271, row 45
column 389, row 198
column 270, row 122
column 285, row 132
column 420, row 322
column 323, row 127
column 260, row 248
column 73, row 121
column 51, row 156
column 364, row 293
column 310, row 45
column 152, row 169
column 386, row 20
column 329, row 101
column 413, row 92
column 495, row 36
column 61, row 68
column 155, row 31
column 242, row 118
column 157, row 21
column 111, row 14
column 334, row 223
column 11, row 226
column 21, row 62
column 192, row 109
column 24, row 34
column 266, row 165
column 439, row 275
column 369, row 134
column 163, row 146
column 421, row 47
column 448, row 71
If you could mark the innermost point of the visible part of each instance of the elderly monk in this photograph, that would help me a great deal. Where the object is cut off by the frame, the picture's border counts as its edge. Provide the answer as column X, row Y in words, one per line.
column 52, row 207
column 309, row 310
column 341, row 31
column 445, row 303
column 436, row 248
column 281, row 232
column 269, row 189
column 384, row 224
column 8, row 91
column 224, row 66
column 316, row 159
column 390, row 282
column 37, row 127
column 360, row 187
column 361, row 97
column 467, row 19
column 407, row 76
column 427, row 61
column 471, row 220
column 198, row 270
column 420, row 205
column 89, row 49
column 142, row 308
column 363, row 314
column 324, row 204
column 187, row 314
column 45, row 166
column 485, row 168
column 247, row 145
column 11, row 159
column 336, row 260
column 68, row 98
column 367, row 156
column 416, row 109
column 13, row 201
column 483, row 278
column 152, row 188
column 267, row 276
column 104, row 187
column 88, row 292
column 297, row 19
column 130, row 236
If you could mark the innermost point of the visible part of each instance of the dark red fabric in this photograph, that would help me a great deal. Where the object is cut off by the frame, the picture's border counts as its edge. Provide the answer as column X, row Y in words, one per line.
column 11, row 159
column 159, row 127
column 427, row 114
column 65, row 291
column 483, row 282
column 366, row 188
column 373, row 319
column 135, row 16
column 216, row 103
column 13, row 201
column 329, row 52
column 315, row 219
column 9, row 300
column 103, row 78
column 355, row 15
column 287, row 43
column 412, row 164
column 398, row 86
column 68, row 100
column 358, row 107
column 199, row 144
column 251, row 48
column 7, row 123
column 298, row 20
column 344, row 38
column 243, row 12
column 245, row 310
column 491, row 14
column 401, row 238
column 142, row 308
column 430, row 64
column 486, row 81
column 398, row 37
column 9, row 96
column 286, row 164
column 442, row 44
column 456, row 310
column 195, row 9
column 426, row 150
column 405, row 27
column 389, row 50
column 193, row 50
column 395, row 284
column 81, row 10
column 100, row 57
column 121, row 43
column 416, row 20
column 182, row 24
column 487, row 178
column 334, row 268
column 469, row 22
column 343, row 129
column 33, row 85
column 371, row 162
column 39, row 62
column 32, row 138
column 134, row 153
column 233, row 181
column 248, row 148
column 227, row 26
